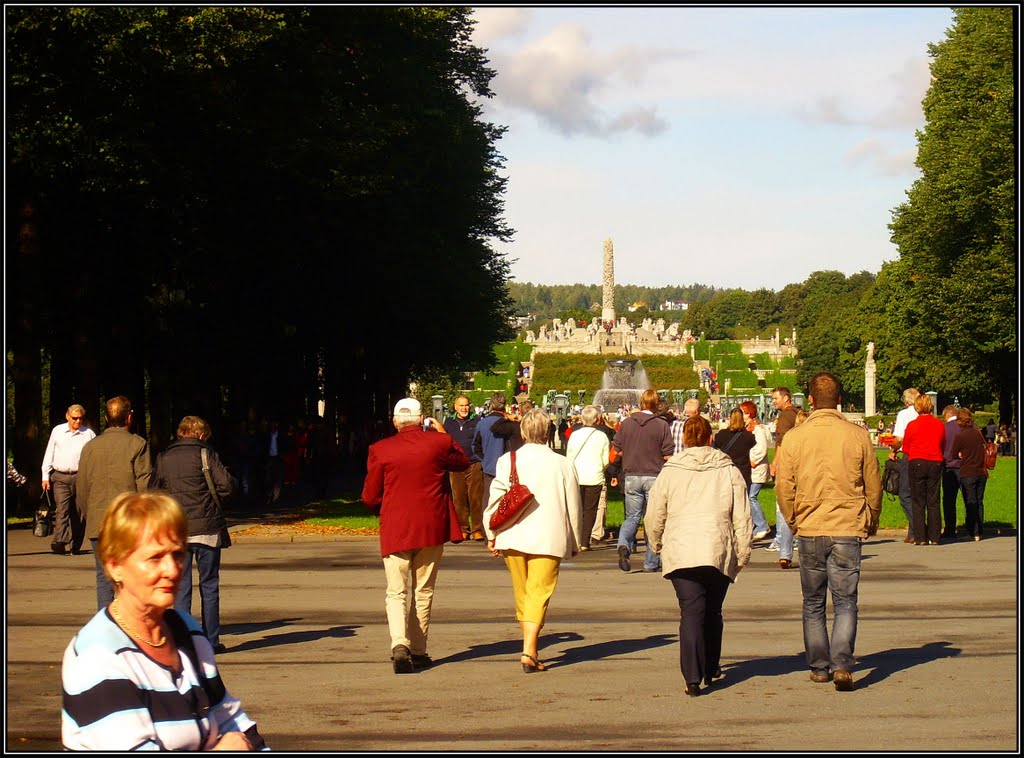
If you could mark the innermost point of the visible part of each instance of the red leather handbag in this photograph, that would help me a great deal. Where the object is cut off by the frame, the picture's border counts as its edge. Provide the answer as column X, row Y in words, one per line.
column 513, row 502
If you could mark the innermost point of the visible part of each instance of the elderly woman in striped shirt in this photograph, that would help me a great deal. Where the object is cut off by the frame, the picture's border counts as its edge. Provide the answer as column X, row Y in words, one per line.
column 139, row 676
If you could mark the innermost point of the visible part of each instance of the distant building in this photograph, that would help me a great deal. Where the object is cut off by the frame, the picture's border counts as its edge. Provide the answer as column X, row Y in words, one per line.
column 520, row 321
column 675, row 305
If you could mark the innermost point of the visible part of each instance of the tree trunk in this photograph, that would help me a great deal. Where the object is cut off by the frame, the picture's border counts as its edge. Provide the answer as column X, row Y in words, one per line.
column 23, row 313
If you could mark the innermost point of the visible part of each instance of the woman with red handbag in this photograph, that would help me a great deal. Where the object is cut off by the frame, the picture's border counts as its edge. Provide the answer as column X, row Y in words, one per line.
column 545, row 529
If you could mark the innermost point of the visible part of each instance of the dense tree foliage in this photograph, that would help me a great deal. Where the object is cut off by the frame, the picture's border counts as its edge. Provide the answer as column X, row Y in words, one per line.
column 204, row 204
column 957, row 232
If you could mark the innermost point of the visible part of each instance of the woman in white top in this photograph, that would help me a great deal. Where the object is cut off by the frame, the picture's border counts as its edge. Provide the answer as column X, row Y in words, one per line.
column 588, row 451
column 548, row 531
column 758, row 468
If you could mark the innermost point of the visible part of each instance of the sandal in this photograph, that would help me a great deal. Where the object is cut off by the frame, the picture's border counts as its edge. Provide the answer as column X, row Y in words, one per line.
column 528, row 669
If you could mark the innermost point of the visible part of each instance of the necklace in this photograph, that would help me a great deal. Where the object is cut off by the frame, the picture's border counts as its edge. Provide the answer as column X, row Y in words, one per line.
column 117, row 617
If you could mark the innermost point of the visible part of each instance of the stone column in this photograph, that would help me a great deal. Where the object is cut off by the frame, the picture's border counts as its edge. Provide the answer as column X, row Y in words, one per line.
column 608, row 306
column 869, row 382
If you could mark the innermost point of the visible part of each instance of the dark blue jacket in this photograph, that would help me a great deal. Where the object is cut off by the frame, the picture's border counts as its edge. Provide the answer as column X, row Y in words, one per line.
column 486, row 446
column 462, row 431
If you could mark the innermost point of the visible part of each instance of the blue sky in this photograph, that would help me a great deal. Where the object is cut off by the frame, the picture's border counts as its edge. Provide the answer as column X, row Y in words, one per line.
column 733, row 147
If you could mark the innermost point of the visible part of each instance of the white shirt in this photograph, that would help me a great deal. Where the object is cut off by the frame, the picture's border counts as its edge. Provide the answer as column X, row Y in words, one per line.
column 588, row 450
column 903, row 418
column 64, row 449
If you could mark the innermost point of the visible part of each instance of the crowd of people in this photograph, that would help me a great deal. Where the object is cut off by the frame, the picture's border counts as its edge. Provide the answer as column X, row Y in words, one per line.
column 694, row 492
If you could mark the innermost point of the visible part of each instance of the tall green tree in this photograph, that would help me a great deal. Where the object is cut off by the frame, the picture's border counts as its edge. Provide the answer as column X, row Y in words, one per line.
column 956, row 232
column 206, row 203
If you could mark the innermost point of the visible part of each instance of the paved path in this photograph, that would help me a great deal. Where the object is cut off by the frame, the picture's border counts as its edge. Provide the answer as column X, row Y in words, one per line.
column 308, row 654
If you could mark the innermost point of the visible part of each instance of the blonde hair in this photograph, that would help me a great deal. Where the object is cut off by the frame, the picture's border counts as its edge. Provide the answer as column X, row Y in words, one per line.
column 128, row 519
column 801, row 416
column 534, row 426
column 193, row 426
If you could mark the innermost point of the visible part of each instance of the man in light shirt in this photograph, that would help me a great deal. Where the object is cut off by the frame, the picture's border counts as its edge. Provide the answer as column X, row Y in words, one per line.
column 60, row 474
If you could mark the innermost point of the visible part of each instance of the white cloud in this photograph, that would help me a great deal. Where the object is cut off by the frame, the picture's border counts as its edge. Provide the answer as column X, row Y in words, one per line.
column 873, row 152
column 498, row 23
column 563, row 80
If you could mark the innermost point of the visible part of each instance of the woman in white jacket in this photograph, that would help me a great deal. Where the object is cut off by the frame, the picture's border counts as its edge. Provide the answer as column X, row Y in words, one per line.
column 549, row 530
column 588, row 451
column 759, row 474
column 698, row 521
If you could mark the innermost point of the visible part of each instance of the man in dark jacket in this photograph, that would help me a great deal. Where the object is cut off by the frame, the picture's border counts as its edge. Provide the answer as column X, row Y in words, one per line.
column 468, row 485
column 645, row 443
column 488, row 447
column 182, row 472
column 407, row 479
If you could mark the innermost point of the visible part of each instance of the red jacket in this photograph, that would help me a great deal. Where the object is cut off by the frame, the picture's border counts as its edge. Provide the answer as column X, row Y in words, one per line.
column 925, row 438
column 407, row 478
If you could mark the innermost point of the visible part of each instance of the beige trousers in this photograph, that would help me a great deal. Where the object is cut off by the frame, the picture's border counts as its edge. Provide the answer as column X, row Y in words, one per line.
column 411, row 575
column 602, row 508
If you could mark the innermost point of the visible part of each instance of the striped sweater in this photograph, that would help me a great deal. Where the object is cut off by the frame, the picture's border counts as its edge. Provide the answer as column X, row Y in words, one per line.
column 117, row 698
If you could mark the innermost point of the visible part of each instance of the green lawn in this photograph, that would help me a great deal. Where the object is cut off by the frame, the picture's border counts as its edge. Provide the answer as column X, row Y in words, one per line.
column 1000, row 500
column 1000, row 505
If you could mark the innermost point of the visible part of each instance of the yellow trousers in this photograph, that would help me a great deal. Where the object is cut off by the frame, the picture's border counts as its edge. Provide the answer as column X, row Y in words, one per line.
column 533, row 582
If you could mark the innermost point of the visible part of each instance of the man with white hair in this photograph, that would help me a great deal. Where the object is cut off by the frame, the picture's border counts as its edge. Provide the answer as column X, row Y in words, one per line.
column 407, row 481
column 904, row 417
column 691, row 408
column 60, row 473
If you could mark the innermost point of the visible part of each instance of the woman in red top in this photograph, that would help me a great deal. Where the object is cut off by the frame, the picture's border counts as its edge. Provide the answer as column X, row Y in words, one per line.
column 923, row 442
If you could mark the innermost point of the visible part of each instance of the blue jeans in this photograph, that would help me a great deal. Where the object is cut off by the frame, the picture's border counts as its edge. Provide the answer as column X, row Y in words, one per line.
column 973, row 488
column 784, row 536
column 906, row 499
column 104, row 589
column 756, row 511
column 208, row 562
column 950, row 488
column 635, row 494
column 832, row 563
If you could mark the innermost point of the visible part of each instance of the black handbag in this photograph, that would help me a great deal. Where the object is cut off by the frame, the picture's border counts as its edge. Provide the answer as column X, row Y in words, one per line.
column 43, row 520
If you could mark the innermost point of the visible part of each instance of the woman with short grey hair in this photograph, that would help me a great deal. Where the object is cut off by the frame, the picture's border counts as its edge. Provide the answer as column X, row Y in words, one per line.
column 548, row 531
column 588, row 451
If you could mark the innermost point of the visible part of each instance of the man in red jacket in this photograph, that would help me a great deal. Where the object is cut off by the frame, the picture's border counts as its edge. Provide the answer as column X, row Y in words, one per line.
column 407, row 480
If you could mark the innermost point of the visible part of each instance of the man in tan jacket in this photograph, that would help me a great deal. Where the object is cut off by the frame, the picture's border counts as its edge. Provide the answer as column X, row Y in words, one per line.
column 829, row 490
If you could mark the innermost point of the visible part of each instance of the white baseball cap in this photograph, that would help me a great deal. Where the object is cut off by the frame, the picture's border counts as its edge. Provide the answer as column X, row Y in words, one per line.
column 408, row 406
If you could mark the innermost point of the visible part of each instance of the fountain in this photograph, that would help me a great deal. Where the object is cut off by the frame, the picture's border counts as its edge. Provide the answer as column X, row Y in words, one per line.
column 622, row 384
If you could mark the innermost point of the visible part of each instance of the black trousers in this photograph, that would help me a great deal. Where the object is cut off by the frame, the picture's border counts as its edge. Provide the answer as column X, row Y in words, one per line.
column 925, row 477
column 590, row 496
column 701, row 594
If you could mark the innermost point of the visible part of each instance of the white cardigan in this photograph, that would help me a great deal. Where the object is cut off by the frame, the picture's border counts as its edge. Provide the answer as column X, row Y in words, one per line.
column 553, row 521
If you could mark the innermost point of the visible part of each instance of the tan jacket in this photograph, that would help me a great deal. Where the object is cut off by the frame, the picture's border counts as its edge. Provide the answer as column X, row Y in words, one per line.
column 117, row 461
column 827, row 481
column 698, row 513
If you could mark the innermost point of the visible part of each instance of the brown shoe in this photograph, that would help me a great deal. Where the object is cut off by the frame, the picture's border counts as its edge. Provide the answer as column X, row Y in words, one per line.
column 908, row 540
column 783, row 563
column 820, row 676
column 465, row 536
column 478, row 536
column 843, row 681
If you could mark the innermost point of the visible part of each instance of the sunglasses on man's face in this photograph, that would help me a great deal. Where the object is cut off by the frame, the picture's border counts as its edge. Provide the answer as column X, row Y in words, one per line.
column 77, row 418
